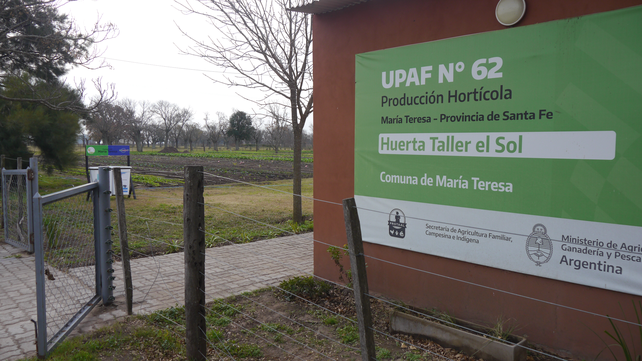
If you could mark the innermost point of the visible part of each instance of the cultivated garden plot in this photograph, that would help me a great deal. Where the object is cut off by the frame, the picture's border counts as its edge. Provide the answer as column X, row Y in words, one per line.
column 248, row 166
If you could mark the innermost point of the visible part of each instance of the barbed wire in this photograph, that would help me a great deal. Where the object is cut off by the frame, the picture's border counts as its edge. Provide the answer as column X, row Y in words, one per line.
column 272, row 189
column 296, row 269
column 371, row 257
column 503, row 291
column 158, row 273
column 218, row 260
column 261, row 323
column 286, row 317
column 280, row 314
column 434, row 273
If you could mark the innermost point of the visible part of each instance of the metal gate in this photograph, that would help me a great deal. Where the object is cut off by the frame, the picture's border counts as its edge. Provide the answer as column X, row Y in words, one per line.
column 17, row 195
column 72, row 242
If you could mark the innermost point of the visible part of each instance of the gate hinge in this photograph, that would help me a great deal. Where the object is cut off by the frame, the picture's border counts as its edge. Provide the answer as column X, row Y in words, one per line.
column 30, row 174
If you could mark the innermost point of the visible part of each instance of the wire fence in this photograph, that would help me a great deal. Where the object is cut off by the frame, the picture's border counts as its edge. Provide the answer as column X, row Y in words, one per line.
column 278, row 335
column 70, row 253
column 14, row 210
column 257, row 323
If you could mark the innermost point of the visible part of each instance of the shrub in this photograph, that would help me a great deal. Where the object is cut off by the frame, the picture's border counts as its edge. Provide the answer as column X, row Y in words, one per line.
column 306, row 287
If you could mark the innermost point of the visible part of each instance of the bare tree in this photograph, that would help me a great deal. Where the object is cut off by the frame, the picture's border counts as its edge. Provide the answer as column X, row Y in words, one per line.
column 156, row 133
column 191, row 134
column 184, row 117
column 106, row 123
column 168, row 116
column 277, row 129
column 267, row 47
column 138, row 117
column 308, row 140
column 213, row 130
column 258, row 133
column 223, row 123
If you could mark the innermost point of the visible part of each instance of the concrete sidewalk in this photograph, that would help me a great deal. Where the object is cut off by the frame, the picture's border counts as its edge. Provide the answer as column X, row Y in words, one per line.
column 158, row 284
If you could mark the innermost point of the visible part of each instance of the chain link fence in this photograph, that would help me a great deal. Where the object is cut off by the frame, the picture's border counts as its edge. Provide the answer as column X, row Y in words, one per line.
column 69, row 259
column 73, row 258
column 16, row 204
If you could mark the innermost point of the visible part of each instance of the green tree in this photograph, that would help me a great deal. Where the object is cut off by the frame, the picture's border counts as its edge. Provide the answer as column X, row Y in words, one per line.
column 25, row 123
column 38, row 44
column 240, row 127
column 35, row 38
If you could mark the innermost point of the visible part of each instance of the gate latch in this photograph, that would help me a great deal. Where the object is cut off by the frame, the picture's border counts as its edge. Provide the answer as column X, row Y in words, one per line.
column 30, row 174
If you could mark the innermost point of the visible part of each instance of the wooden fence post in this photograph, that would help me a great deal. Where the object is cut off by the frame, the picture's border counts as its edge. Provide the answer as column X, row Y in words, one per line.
column 122, row 236
column 194, row 251
column 359, row 279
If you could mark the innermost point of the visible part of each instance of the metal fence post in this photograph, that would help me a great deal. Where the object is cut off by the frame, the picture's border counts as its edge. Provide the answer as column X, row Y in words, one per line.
column 21, row 185
column 122, row 237
column 359, row 279
column 194, row 252
column 32, row 189
column 104, row 259
column 41, row 342
column 2, row 186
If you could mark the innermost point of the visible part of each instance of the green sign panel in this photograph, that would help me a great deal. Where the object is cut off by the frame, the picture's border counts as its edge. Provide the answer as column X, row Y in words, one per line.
column 518, row 149
column 95, row 150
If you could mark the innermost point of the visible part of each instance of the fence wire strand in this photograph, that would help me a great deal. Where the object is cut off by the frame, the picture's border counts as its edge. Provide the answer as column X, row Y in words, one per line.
column 413, row 268
column 292, row 294
column 70, row 261
column 259, row 322
column 63, row 268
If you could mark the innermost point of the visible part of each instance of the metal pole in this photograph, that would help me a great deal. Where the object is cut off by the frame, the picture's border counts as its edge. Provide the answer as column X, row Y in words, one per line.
column 21, row 185
column 41, row 342
column 105, row 260
column 32, row 189
column 122, row 236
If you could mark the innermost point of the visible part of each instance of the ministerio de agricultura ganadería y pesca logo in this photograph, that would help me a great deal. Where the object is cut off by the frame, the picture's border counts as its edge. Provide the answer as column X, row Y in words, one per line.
column 397, row 223
column 539, row 246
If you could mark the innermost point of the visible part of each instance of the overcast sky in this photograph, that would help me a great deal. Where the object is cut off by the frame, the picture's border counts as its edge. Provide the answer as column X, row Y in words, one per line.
column 145, row 55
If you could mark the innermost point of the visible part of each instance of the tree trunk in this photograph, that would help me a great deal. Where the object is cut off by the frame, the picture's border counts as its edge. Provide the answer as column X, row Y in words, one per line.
column 297, row 129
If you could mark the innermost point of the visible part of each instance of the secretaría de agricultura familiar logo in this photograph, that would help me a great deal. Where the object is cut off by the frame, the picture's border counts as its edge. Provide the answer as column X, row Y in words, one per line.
column 539, row 247
column 397, row 223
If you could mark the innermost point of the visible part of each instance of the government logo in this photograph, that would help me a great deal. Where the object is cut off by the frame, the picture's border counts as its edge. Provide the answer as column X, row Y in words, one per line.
column 539, row 246
column 397, row 223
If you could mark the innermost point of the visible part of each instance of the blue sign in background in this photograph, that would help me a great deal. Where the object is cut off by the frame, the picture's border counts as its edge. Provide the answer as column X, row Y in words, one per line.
column 118, row 150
